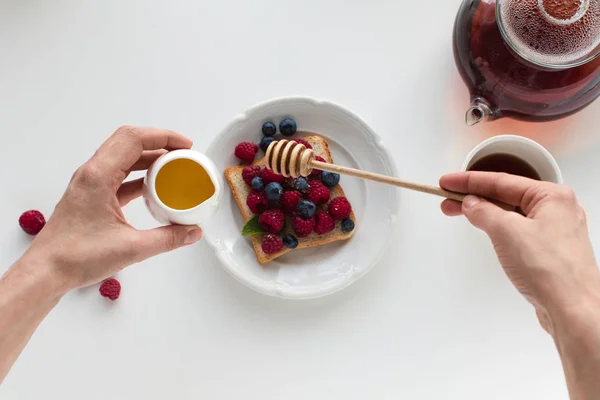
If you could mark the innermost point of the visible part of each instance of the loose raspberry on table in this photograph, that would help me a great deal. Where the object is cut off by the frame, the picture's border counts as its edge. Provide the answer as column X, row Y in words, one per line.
column 269, row 176
column 316, row 173
column 246, row 151
column 289, row 200
column 257, row 202
column 340, row 208
column 249, row 172
column 271, row 244
column 317, row 192
column 304, row 142
column 303, row 227
column 110, row 288
column 272, row 220
column 32, row 222
column 325, row 223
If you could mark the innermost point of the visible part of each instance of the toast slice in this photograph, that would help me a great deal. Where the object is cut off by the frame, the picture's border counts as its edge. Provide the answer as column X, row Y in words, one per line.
column 241, row 190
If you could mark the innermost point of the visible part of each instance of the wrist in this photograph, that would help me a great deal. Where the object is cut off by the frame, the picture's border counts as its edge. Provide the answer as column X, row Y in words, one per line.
column 38, row 268
column 569, row 297
column 577, row 319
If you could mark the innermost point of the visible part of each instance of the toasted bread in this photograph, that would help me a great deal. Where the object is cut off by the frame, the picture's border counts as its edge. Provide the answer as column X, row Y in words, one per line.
column 241, row 190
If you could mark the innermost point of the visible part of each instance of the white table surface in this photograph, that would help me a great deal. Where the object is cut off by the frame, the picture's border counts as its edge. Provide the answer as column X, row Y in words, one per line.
column 436, row 319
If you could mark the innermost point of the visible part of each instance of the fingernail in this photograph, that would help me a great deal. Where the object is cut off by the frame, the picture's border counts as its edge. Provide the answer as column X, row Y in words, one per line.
column 471, row 201
column 193, row 236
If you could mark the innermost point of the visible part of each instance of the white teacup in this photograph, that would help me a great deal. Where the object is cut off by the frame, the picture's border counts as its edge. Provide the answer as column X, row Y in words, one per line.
column 526, row 149
column 196, row 215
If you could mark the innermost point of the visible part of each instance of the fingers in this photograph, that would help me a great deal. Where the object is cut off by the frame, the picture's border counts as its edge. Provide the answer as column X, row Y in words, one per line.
column 130, row 191
column 167, row 238
column 451, row 208
column 511, row 189
column 487, row 216
column 482, row 214
column 125, row 147
column 147, row 159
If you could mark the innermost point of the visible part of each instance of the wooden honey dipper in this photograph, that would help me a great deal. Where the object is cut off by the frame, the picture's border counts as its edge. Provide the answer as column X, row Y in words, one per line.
column 293, row 159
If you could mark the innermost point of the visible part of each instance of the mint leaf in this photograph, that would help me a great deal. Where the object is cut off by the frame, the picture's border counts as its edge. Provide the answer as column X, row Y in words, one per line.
column 252, row 227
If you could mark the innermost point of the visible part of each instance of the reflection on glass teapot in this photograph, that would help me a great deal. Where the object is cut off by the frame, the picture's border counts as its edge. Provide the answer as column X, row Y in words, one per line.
column 534, row 60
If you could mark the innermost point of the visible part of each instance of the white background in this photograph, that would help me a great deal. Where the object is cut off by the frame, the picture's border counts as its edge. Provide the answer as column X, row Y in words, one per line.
column 435, row 319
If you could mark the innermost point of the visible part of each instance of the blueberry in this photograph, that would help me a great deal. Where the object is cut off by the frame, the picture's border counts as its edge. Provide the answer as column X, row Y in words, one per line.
column 347, row 225
column 269, row 129
column 287, row 127
column 274, row 191
column 300, row 184
column 257, row 183
column 306, row 209
column 330, row 179
column 265, row 142
column 290, row 241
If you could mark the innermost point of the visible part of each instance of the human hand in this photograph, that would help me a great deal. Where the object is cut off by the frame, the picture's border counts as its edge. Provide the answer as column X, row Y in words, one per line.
column 546, row 254
column 87, row 238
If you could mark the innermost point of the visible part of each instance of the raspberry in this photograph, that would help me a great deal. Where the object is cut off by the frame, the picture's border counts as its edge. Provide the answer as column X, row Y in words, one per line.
column 246, row 151
column 269, row 176
column 257, row 201
column 317, row 193
column 250, row 172
column 304, row 142
column 289, row 200
column 271, row 244
column 110, row 288
column 32, row 222
column 315, row 173
column 325, row 223
column 340, row 208
column 303, row 227
column 272, row 220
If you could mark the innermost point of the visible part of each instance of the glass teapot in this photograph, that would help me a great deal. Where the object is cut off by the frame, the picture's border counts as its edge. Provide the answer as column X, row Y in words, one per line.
column 534, row 60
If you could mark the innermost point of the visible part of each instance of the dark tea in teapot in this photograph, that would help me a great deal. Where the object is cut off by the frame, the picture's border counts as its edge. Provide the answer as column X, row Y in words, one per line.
column 534, row 60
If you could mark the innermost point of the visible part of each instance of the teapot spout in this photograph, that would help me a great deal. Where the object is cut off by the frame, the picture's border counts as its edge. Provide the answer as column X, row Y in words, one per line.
column 480, row 110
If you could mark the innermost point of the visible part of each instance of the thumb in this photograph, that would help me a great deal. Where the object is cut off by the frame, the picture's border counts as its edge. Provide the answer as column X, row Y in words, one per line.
column 166, row 238
column 484, row 215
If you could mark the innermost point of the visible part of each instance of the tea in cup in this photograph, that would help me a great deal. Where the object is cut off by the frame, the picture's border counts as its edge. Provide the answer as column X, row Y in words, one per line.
column 514, row 155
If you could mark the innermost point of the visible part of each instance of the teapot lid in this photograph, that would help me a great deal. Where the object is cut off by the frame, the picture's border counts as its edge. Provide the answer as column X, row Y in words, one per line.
column 555, row 34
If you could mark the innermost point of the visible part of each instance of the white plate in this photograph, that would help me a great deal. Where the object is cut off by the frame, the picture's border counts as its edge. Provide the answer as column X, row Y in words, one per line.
column 309, row 273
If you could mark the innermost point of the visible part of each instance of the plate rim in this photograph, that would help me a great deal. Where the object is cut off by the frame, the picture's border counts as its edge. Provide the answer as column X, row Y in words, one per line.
column 331, row 289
